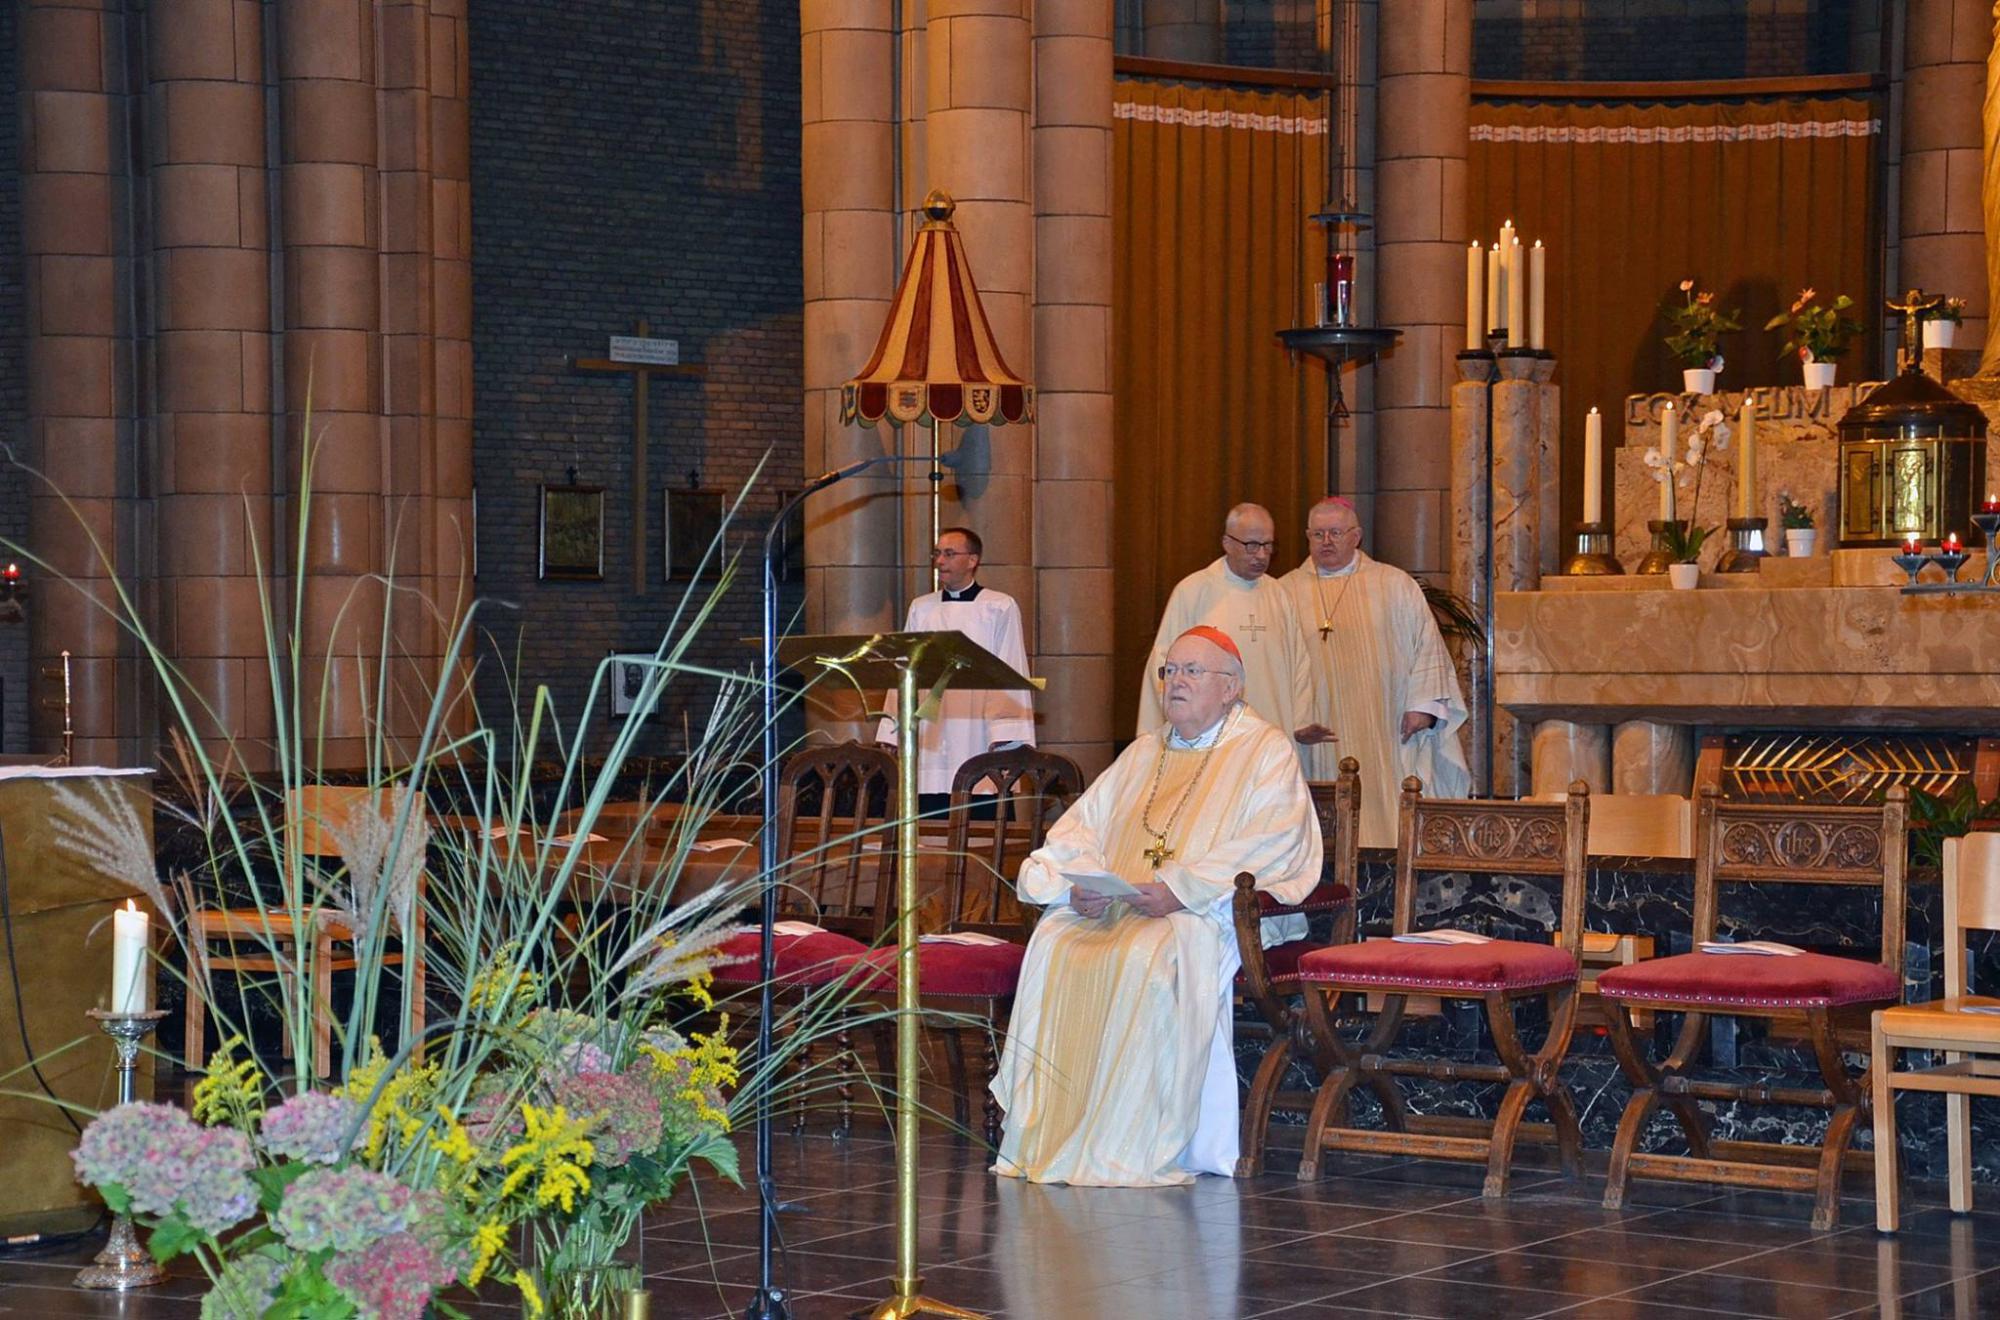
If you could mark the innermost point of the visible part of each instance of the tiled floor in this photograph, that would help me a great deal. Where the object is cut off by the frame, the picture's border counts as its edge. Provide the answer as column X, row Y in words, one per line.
column 1382, row 1237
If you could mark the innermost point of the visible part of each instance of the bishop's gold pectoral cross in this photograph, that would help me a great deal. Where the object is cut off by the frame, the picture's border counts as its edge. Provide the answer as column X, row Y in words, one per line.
column 1159, row 852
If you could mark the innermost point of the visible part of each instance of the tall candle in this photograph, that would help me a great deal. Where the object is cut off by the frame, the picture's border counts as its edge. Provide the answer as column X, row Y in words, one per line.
column 1538, row 296
column 1517, row 301
column 1593, row 467
column 1475, row 298
column 1670, row 438
column 1496, row 285
column 1746, row 476
column 130, row 940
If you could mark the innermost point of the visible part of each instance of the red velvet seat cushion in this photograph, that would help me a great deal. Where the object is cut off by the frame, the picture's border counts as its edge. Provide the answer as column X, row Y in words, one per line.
column 1430, row 968
column 1283, row 959
column 1325, row 897
column 1745, row 980
column 811, row 959
column 982, row 971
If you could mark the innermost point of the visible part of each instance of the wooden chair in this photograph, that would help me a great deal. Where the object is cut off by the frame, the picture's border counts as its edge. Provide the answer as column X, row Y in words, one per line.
column 1744, row 843
column 1517, row 838
column 313, row 815
column 1968, row 1037
column 835, row 806
column 1265, row 980
column 977, row 981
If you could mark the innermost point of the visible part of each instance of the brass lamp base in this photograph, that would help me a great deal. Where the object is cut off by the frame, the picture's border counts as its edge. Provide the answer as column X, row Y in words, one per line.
column 1593, row 557
column 1659, row 558
column 1746, row 547
column 900, row 1307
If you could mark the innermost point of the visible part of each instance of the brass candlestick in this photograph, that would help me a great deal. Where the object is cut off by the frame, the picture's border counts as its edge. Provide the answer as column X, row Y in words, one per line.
column 1746, row 547
column 1659, row 557
column 1593, row 557
column 124, row 1264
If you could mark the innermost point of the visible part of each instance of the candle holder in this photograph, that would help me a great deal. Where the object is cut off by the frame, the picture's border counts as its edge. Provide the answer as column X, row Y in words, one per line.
column 1660, row 557
column 1746, row 547
column 1911, row 562
column 1948, row 560
column 1593, row 557
column 1988, row 525
column 124, row 1264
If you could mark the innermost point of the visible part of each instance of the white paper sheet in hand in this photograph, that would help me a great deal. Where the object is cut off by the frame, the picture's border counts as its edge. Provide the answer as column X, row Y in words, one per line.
column 1101, row 882
column 967, row 937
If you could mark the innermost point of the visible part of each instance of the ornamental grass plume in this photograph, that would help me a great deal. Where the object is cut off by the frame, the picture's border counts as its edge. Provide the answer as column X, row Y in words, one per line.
column 345, row 1209
column 94, row 819
column 165, row 1164
column 382, row 857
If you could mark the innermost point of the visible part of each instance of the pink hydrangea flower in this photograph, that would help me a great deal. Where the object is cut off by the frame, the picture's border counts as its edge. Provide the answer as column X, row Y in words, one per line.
column 346, row 1209
column 624, row 1113
column 393, row 1279
column 315, row 1127
column 166, row 1162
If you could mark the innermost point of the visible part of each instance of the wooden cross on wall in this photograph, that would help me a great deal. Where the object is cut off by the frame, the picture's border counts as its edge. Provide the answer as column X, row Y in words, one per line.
column 642, row 374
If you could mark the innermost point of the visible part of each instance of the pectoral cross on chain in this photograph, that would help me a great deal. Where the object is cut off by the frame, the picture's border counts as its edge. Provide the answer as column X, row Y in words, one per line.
column 1159, row 852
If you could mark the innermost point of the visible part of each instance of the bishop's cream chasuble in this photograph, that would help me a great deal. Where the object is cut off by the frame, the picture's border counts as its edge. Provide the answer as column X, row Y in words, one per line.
column 1377, row 653
column 1118, row 1069
column 969, row 722
column 1277, row 662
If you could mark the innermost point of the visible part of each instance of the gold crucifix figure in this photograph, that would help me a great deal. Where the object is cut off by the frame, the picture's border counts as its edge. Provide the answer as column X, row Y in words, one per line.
column 1915, row 303
column 1159, row 853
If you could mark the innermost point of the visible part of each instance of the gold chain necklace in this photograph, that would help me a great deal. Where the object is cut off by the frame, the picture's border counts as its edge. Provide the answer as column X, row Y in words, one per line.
column 1319, row 595
column 1160, row 853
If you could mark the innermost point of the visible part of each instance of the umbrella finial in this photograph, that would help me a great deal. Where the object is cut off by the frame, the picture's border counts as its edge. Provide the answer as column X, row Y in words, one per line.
column 938, row 206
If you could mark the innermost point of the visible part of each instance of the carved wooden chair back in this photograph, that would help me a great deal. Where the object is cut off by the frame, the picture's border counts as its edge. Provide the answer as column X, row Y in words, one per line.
column 836, row 805
column 1738, row 843
column 1971, row 900
column 1494, row 838
column 1338, row 806
column 1032, row 789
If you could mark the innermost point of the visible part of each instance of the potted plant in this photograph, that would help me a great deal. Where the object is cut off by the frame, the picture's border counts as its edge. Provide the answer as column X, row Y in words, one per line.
column 1684, row 541
column 1818, row 334
column 1698, row 327
column 1941, row 322
column 1797, row 520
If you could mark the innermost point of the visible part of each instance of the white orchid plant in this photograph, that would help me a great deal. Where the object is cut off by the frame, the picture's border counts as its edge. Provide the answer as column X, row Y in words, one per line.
column 1710, row 436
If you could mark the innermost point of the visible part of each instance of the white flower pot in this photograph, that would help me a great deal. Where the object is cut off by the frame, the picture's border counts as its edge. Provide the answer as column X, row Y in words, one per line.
column 1697, row 380
column 1799, row 541
column 1685, row 577
column 1939, row 334
column 1819, row 375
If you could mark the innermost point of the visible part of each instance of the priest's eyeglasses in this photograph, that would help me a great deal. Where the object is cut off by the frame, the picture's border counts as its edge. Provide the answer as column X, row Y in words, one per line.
column 1321, row 535
column 1254, row 547
column 1168, row 673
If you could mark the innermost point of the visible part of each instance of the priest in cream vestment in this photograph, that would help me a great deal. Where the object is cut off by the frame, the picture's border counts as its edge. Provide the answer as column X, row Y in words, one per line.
column 1118, row 1070
column 1237, row 595
column 1385, row 690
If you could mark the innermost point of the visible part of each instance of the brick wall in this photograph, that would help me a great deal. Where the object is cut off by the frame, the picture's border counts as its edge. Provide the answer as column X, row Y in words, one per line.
column 629, row 158
column 1661, row 40
column 13, row 385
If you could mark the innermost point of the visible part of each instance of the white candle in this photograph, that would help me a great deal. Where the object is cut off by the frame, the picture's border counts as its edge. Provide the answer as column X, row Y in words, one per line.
column 1495, row 286
column 1475, row 299
column 1538, row 296
column 130, row 941
column 1517, row 300
column 1746, row 476
column 1670, row 437
column 1593, row 467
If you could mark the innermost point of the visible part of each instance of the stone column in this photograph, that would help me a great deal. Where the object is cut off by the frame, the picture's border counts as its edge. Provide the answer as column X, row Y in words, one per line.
column 1651, row 757
column 212, row 353
column 978, row 113
column 74, row 212
column 847, row 187
column 1471, row 454
column 1072, row 321
column 1943, row 246
column 332, row 241
column 1565, row 752
column 1424, row 98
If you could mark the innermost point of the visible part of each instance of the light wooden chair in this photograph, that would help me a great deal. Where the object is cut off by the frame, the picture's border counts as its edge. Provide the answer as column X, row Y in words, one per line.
column 1964, row 1027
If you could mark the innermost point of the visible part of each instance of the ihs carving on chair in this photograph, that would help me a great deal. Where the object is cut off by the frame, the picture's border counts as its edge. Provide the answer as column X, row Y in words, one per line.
column 1488, row 837
column 1795, row 845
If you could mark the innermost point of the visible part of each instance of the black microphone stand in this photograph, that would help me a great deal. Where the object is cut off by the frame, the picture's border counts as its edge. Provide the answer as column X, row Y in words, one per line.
column 768, row 1303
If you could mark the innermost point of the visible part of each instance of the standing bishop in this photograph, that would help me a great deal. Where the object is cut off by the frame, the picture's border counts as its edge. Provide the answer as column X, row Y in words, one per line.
column 1236, row 595
column 1118, row 1070
column 1385, row 691
column 969, row 722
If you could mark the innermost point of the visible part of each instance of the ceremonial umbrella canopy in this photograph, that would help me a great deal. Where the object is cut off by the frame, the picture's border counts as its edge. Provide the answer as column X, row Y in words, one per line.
column 936, row 360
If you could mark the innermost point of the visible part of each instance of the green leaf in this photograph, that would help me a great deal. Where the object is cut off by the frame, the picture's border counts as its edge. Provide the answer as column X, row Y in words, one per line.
column 720, row 1152
column 174, row 1236
column 272, row 1180
column 117, row 1198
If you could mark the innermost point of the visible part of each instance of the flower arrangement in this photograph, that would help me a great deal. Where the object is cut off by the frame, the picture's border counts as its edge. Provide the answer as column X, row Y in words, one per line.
column 1709, row 436
column 1949, row 310
column 1793, row 517
column 1698, row 326
column 1816, row 333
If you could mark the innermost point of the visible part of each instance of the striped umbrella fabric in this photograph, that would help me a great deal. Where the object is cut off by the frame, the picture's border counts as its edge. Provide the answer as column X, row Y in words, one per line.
column 936, row 360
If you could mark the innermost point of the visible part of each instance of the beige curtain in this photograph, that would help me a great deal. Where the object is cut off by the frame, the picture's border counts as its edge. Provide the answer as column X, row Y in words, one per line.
column 1215, row 254
column 1754, row 200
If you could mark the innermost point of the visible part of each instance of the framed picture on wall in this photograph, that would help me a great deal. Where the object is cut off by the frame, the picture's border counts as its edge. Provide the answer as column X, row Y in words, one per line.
column 628, row 676
column 572, row 540
column 690, row 519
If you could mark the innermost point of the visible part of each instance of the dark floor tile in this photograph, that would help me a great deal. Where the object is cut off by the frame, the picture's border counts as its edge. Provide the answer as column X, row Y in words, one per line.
column 1626, row 1308
column 1731, row 1295
column 1881, row 1265
column 1446, row 1299
column 1273, row 1277
column 1365, row 1192
column 1468, row 1231
column 1696, row 1222
column 1977, row 1295
column 1572, row 1276
column 1647, row 1250
column 800, row 1271
column 1349, row 1250
column 62, row 1303
column 1966, row 1248
column 740, row 1229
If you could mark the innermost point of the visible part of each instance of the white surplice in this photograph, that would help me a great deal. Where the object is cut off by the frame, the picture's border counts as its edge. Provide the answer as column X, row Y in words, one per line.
column 1118, row 1069
column 1257, row 615
column 969, row 722
column 1377, row 654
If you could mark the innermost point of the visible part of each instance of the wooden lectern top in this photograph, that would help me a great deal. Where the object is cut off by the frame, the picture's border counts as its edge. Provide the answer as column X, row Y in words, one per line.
column 877, row 660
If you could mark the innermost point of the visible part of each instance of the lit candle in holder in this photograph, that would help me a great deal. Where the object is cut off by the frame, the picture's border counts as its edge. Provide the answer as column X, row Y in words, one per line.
column 1951, row 545
column 1913, row 544
column 130, row 940
column 1991, row 504
column 1670, row 435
